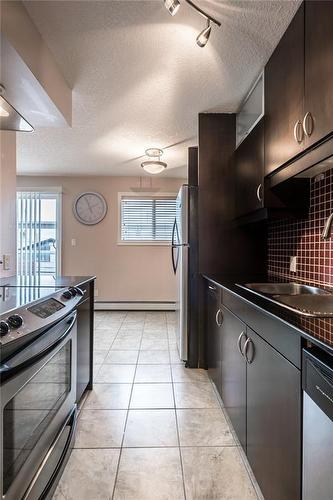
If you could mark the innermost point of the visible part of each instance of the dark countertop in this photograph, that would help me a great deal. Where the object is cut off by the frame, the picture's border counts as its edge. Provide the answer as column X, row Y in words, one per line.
column 317, row 330
column 45, row 281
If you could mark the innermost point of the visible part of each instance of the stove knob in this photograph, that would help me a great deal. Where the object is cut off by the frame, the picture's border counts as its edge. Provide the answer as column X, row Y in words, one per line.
column 4, row 328
column 73, row 291
column 67, row 294
column 15, row 321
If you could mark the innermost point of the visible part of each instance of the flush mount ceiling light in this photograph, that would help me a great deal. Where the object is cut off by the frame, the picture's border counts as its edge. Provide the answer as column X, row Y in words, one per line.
column 154, row 166
column 173, row 5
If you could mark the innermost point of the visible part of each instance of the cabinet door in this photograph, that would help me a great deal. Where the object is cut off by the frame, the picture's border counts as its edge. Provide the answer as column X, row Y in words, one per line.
column 233, row 388
column 318, row 106
column 273, row 421
column 83, row 347
column 284, row 92
column 250, row 172
column 213, row 333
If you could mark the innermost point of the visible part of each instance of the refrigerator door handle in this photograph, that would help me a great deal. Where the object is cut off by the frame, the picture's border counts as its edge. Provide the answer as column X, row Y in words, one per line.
column 173, row 232
column 173, row 260
column 172, row 247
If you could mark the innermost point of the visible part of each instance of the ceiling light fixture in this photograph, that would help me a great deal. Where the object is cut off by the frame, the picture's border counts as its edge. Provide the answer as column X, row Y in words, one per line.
column 173, row 5
column 203, row 37
column 154, row 166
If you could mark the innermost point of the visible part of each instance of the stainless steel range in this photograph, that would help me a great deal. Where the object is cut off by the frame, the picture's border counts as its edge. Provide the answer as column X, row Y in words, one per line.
column 38, row 388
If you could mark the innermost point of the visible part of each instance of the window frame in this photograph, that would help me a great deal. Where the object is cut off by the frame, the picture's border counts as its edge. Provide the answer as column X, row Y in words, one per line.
column 50, row 190
column 138, row 195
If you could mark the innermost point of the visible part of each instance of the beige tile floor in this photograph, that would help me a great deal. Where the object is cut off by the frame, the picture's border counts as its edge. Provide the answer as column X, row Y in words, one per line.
column 151, row 429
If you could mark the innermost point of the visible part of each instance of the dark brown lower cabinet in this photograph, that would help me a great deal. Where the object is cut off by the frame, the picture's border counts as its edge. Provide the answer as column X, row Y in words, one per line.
column 273, row 421
column 233, row 368
column 213, row 333
column 84, row 353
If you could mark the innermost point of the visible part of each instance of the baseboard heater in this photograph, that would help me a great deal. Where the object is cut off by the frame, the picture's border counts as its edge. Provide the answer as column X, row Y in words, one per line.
column 134, row 306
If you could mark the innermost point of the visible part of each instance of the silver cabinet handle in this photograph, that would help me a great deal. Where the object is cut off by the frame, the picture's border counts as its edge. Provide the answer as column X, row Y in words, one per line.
column 245, row 349
column 219, row 317
column 259, row 191
column 212, row 287
column 308, row 124
column 298, row 132
column 239, row 343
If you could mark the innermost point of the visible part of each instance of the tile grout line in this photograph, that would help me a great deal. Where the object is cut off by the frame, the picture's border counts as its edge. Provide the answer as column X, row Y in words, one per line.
column 177, row 427
column 127, row 414
column 116, row 335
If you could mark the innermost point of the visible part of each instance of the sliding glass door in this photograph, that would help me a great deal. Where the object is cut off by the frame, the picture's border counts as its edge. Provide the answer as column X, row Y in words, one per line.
column 38, row 233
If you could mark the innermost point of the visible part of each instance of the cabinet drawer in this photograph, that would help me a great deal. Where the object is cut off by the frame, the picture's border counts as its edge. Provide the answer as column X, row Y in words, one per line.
column 278, row 335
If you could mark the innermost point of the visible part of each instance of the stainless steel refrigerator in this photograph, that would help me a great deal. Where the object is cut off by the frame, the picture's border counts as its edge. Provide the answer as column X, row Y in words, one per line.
column 184, row 255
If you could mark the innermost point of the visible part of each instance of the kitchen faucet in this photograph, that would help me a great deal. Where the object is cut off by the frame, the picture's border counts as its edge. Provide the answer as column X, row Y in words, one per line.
column 326, row 234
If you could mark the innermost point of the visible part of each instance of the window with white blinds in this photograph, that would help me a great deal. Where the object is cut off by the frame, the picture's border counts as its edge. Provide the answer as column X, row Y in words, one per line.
column 146, row 218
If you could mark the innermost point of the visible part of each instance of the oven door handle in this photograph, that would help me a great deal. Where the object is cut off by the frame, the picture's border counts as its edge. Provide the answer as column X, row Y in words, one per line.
column 10, row 369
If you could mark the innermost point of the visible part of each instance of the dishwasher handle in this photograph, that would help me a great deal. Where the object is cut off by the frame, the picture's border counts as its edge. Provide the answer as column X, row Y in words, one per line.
column 317, row 378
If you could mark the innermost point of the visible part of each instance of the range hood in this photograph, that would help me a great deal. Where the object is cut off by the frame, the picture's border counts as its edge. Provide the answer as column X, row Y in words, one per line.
column 10, row 119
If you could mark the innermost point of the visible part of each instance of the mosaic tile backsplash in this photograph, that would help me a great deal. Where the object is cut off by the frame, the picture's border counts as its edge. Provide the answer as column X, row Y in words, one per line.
column 302, row 239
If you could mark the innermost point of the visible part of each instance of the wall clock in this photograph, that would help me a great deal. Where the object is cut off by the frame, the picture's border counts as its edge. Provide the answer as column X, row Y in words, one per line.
column 90, row 208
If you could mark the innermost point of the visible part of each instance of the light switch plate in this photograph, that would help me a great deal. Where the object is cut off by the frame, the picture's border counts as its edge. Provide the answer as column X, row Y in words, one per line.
column 6, row 261
column 293, row 264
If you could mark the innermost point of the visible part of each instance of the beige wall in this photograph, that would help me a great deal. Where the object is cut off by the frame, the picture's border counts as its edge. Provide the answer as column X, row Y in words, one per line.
column 124, row 273
column 8, row 200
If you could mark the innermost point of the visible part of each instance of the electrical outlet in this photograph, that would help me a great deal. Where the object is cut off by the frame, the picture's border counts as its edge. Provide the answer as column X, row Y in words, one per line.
column 6, row 262
column 73, row 242
column 96, row 292
column 293, row 264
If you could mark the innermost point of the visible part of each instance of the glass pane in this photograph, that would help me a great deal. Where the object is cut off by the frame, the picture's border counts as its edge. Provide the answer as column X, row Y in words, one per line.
column 37, row 233
column 30, row 411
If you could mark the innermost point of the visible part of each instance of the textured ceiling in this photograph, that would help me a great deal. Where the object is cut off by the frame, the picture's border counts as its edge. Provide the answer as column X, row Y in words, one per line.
column 139, row 79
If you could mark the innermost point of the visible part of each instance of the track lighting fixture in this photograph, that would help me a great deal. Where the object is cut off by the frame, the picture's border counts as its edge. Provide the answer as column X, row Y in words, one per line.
column 203, row 37
column 173, row 5
column 154, row 166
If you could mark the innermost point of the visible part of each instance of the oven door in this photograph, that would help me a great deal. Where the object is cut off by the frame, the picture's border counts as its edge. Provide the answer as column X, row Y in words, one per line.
column 38, row 391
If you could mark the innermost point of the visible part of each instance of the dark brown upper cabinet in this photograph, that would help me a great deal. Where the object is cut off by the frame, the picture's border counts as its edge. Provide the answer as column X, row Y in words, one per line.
column 250, row 172
column 284, row 91
column 298, row 86
column 318, row 103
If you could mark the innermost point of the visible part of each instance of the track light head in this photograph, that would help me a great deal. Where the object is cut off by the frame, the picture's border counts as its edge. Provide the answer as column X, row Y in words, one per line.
column 204, row 35
column 172, row 6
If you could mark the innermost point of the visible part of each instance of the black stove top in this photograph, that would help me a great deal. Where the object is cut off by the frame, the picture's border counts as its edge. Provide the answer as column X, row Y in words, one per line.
column 12, row 298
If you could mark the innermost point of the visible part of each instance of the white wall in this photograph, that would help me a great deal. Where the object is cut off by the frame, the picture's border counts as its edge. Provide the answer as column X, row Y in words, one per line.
column 124, row 273
column 8, row 200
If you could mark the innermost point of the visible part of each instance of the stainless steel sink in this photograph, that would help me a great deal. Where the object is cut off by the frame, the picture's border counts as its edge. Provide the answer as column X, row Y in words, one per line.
column 285, row 289
column 302, row 299
column 320, row 306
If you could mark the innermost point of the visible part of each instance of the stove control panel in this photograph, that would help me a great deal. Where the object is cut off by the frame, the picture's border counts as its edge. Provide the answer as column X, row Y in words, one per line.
column 38, row 314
